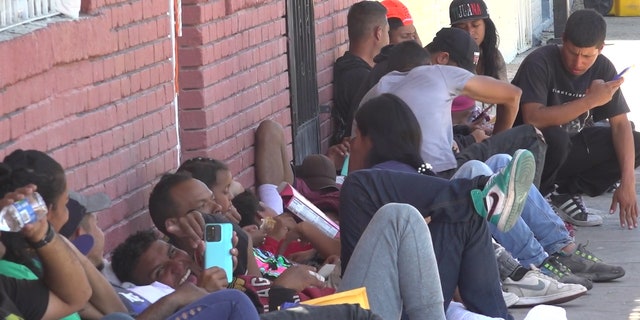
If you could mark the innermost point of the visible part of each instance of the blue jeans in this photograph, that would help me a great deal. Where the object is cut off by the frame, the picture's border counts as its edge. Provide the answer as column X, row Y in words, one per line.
column 461, row 240
column 538, row 232
column 523, row 136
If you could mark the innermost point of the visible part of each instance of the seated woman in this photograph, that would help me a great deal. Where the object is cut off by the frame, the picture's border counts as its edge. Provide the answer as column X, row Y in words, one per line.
column 24, row 167
column 388, row 137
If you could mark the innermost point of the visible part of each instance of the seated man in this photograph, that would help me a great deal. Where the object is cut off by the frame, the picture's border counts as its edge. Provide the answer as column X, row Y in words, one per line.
column 429, row 91
column 180, row 206
column 563, row 93
column 65, row 288
column 398, row 233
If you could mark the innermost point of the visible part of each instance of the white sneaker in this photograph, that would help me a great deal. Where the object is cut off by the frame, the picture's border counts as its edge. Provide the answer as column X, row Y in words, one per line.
column 536, row 288
column 509, row 298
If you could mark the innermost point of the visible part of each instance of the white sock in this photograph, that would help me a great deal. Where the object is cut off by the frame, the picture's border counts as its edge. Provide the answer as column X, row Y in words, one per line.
column 268, row 193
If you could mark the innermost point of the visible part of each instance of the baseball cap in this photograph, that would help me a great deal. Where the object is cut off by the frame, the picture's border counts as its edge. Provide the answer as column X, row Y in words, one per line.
column 466, row 10
column 460, row 46
column 317, row 171
column 395, row 9
column 80, row 205
column 462, row 103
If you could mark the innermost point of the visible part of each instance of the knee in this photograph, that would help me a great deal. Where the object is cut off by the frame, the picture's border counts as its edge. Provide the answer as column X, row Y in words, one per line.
column 557, row 139
column 399, row 212
column 499, row 160
column 269, row 130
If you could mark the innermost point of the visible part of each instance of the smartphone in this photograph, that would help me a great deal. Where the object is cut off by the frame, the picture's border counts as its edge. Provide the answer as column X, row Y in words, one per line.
column 482, row 114
column 218, row 244
column 619, row 75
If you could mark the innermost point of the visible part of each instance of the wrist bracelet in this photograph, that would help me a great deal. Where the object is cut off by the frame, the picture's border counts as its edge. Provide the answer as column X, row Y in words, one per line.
column 48, row 237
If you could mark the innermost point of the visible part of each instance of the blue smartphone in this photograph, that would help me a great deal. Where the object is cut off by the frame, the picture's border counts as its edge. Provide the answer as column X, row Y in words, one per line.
column 619, row 75
column 218, row 244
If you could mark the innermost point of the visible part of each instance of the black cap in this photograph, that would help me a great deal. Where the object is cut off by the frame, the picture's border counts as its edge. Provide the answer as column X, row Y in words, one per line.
column 79, row 205
column 462, row 49
column 466, row 10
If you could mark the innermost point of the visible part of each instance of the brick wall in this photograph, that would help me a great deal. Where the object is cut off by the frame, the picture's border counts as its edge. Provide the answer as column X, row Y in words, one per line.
column 97, row 95
column 332, row 42
column 233, row 74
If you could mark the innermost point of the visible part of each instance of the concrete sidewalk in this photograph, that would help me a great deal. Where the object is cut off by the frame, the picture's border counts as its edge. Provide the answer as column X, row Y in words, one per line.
column 619, row 299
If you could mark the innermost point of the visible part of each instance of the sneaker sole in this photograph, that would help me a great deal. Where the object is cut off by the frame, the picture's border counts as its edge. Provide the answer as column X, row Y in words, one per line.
column 560, row 297
column 601, row 277
column 520, row 178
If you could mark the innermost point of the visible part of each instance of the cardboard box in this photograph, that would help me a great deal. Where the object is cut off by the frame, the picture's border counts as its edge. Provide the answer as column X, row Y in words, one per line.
column 307, row 211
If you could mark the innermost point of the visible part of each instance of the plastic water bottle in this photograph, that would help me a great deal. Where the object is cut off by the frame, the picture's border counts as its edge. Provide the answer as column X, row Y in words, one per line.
column 16, row 215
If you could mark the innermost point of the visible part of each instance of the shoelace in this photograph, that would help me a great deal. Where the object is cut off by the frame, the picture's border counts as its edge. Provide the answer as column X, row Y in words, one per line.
column 586, row 254
column 577, row 199
column 556, row 267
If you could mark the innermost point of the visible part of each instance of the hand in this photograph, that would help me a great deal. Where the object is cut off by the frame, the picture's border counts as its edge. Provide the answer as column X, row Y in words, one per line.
column 257, row 235
column 189, row 227
column 303, row 256
column 601, row 92
column 479, row 135
column 625, row 198
column 17, row 195
column 284, row 223
column 213, row 279
column 338, row 152
column 297, row 278
column 233, row 215
column 35, row 231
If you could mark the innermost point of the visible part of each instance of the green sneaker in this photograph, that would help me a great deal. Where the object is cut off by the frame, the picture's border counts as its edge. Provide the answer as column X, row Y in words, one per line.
column 502, row 199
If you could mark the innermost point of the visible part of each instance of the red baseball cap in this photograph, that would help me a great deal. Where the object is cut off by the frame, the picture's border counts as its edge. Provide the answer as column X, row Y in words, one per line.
column 395, row 9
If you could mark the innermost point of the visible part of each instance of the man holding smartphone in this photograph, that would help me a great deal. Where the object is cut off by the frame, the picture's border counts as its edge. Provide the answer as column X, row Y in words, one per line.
column 569, row 94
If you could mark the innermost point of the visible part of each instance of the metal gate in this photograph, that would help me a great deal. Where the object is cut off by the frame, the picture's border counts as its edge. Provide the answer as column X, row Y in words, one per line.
column 302, row 77
column 525, row 26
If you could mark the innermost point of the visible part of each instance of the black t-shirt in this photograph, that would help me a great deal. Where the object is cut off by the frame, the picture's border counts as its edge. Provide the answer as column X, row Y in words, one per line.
column 543, row 79
column 26, row 299
column 349, row 72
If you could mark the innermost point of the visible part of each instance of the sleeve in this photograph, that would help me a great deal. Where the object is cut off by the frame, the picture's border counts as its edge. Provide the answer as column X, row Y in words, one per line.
column 31, row 297
column 532, row 77
column 455, row 78
column 464, row 140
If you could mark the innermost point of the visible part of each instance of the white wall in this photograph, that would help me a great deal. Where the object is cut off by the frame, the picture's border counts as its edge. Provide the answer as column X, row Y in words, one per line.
column 429, row 16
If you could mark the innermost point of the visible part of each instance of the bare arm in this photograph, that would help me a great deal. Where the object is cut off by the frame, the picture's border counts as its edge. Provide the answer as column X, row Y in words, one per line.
column 541, row 116
column 322, row 243
column 490, row 90
column 58, row 263
column 104, row 298
column 625, row 195
column 169, row 304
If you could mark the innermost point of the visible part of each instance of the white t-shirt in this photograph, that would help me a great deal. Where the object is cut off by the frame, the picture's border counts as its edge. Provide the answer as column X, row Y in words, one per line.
column 429, row 92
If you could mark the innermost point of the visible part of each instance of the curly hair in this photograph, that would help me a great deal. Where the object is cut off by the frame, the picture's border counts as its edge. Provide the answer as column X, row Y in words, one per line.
column 126, row 256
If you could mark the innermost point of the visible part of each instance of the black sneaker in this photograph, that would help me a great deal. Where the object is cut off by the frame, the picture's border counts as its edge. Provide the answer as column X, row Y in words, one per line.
column 585, row 264
column 553, row 268
column 571, row 209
